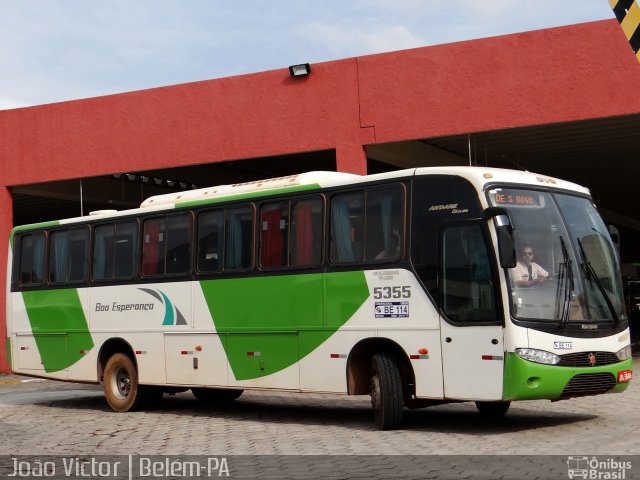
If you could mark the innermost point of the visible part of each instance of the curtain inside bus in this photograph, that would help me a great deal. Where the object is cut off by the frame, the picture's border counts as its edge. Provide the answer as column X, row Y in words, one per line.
column 151, row 248
column 271, row 238
column 303, row 223
column 343, row 249
column 58, row 257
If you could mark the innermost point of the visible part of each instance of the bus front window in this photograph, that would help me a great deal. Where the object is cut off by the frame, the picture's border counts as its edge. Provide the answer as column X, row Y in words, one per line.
column 566, row 270
column 597, row 259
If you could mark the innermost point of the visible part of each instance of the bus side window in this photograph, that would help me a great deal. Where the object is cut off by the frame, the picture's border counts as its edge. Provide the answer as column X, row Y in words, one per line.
column 115, row 249
column 78, row 255
column 68, row 253
column 58, row 250
column 125, row 250
column 103, row 242
column 384, row 236
column 178, row 243
column 153, row 246
column 238, row 241
column 306, row 233
column 347, row 232
column 31, row 259
column 274, row 234
column 210, row 235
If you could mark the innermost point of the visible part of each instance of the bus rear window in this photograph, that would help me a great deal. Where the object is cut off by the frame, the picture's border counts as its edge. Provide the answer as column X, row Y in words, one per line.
column 30, row 259
column 68, row 253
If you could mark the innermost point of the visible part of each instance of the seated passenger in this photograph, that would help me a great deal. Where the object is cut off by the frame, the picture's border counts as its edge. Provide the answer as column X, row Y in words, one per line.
column 392, row 249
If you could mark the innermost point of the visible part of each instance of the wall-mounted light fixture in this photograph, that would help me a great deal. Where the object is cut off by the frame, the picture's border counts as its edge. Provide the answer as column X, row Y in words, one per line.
column 301, row 70
column 160, row 182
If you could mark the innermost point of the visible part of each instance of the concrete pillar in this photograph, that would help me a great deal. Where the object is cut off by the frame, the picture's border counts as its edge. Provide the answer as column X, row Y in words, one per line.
column 351, row 158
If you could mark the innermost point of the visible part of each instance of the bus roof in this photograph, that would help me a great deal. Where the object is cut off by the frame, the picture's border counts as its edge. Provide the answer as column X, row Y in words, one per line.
column 477, row 176
column 292, row 182
column 480, row 176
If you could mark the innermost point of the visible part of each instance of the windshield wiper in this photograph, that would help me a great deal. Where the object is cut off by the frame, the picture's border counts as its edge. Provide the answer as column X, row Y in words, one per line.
column 568, row 284
column 604, row 293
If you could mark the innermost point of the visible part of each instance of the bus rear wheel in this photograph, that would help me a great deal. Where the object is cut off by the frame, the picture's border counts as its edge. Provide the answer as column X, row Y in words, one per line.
column 215, row 395
column 121, row 388
column 386, row 392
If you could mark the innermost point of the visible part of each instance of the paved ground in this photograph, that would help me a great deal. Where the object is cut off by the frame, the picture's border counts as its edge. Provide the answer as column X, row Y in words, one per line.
column 40, row 417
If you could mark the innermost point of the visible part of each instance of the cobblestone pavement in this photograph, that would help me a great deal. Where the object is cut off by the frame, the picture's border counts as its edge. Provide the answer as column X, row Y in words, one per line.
column 42, row 417
column 47, row 417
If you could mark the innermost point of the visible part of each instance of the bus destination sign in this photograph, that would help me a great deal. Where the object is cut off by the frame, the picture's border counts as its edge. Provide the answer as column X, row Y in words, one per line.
column 517, row 198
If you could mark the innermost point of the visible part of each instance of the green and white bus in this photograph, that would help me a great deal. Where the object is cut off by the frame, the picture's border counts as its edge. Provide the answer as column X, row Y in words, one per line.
column 398, row 285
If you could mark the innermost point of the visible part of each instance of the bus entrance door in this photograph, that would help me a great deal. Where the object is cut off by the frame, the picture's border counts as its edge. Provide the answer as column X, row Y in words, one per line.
column 470, row 327
column 472, row 361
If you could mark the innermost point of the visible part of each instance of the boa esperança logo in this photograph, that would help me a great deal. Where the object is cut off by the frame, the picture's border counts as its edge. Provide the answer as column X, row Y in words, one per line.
column 172, row 315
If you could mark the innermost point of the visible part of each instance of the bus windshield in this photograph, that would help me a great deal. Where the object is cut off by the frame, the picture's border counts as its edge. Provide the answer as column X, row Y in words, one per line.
column 567, row 270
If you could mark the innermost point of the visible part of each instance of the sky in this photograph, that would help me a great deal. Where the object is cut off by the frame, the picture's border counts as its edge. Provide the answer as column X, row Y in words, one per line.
column 58, row 50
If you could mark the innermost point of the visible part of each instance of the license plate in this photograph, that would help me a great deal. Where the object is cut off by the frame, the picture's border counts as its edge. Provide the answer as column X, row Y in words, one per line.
column 624, row 376
column 392, row 309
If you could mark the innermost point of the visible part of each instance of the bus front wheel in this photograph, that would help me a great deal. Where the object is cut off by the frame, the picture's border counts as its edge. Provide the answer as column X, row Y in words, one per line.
column 121, row 388
column 386, row 392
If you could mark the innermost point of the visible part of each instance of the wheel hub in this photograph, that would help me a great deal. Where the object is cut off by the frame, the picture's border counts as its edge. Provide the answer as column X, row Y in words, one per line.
column 122, row 382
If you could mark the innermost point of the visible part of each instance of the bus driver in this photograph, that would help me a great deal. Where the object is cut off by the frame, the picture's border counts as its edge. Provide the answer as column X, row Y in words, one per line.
column 527, row 272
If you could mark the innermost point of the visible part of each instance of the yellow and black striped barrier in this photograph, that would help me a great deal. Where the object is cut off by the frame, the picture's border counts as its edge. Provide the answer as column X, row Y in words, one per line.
column 628, row 14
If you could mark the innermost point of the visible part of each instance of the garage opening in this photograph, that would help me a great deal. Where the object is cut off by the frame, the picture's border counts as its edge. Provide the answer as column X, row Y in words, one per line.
column 123, row 190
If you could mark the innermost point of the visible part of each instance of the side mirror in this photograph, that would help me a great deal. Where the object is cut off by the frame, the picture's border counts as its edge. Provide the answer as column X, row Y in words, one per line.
column 506, row 244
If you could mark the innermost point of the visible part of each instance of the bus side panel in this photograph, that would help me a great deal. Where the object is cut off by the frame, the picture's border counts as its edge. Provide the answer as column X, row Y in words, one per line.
column 58, row 325
column 410, row 321
column 325, row 369
column 325, row 352
column 19, row 324
column 27, row 355
column 400, row 310
column 427, row 367
column 259, row 358
column 140, row 315
column 196, row 359
column 149, row 351
column 262, row 318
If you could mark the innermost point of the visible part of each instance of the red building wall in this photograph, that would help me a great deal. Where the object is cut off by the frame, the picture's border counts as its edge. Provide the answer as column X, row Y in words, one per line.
column 546, row 76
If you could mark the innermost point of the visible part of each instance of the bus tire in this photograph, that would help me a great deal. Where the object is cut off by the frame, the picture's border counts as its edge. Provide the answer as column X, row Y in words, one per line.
column 493, row 409
column 121, row 388
column 215, row 395
column 386, row 392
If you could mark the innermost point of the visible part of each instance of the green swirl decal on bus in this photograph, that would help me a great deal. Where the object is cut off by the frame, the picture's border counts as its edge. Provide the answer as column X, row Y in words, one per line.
column 276, row 325
column 172, row 315
column 59, row 327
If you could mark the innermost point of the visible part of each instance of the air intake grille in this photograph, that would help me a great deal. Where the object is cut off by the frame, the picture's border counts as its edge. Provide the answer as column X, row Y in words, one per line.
column 589, row 384
column 581, row 359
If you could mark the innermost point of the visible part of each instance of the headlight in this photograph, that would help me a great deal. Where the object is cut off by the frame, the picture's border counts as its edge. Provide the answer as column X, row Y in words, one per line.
column 624, row 353
column 538, row 356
